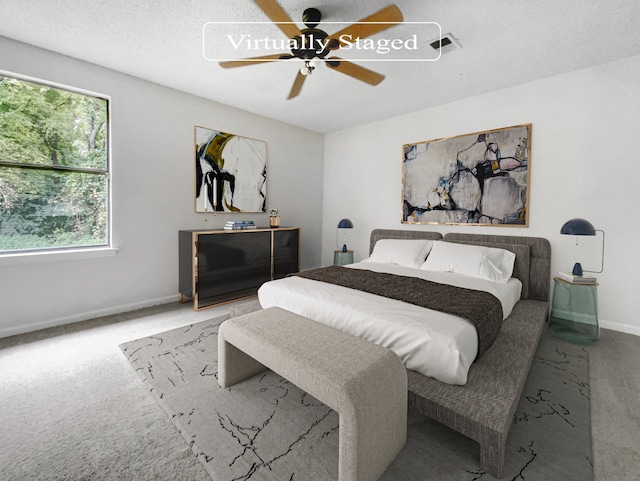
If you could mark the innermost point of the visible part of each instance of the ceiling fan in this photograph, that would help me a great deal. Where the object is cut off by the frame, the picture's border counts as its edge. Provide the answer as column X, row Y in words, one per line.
column 312, row 45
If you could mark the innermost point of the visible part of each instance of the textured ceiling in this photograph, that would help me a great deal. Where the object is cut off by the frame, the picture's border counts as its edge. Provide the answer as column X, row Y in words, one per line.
column 503, row 43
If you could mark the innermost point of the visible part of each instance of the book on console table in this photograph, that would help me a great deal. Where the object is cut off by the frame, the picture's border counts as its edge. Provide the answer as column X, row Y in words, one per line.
column 569, row 277
column 239, row 225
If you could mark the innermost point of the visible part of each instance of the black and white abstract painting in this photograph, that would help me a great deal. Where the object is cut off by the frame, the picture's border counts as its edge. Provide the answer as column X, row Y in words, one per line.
column 480, row 178
column 231, row 172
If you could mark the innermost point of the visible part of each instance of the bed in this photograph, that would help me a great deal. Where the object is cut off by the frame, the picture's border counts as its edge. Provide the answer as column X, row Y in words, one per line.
column 475, row 397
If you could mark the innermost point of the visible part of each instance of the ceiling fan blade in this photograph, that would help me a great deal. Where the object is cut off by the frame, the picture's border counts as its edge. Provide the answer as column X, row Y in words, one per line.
column 377, row 22
column 355, row 71
column 279, row 17
column 254, row 60
column 297, row 86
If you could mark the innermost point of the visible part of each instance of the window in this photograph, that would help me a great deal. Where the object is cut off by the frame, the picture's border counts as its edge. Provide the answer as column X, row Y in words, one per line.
column 54, row 167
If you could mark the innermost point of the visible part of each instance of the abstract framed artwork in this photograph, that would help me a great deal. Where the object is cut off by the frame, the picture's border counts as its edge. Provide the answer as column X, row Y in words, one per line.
column 480, row 178
column 231, row 172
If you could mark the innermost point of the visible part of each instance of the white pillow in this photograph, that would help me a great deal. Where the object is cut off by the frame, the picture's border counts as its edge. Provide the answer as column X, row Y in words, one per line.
column 476, row 261
column 404, row 252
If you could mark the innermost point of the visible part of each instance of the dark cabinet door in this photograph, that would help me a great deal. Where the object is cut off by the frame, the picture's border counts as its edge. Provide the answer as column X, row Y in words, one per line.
column 285, row 252
column 228, row 265
column 231, row 265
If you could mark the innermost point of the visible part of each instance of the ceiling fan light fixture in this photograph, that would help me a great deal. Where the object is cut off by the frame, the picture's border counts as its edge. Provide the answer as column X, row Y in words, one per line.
column 313, row 45
column 306, row 68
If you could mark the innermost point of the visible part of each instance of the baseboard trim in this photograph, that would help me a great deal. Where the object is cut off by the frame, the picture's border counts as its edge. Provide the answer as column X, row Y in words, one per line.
column 616, row 326
column 85, row 316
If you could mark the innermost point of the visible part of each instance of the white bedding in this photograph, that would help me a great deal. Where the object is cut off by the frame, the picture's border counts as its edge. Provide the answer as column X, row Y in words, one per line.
column 436, row 344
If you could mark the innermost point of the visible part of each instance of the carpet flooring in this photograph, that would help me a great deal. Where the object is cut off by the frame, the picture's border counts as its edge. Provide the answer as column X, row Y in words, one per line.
column 266, row 428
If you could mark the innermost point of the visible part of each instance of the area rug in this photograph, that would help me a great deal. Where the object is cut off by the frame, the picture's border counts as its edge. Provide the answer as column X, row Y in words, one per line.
column 265, row 428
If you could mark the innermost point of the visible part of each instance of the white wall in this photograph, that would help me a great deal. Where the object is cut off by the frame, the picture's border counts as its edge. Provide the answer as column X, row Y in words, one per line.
column 584, row 163
column 153, row 178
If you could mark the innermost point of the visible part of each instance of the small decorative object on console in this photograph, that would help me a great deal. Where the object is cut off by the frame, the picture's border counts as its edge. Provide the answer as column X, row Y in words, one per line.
column 274, row 218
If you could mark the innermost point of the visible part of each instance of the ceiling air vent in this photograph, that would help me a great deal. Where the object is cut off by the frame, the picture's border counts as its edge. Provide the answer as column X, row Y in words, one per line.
column 445, row 44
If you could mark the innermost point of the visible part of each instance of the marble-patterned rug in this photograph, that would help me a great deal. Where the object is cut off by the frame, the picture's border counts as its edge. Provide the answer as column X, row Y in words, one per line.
column 265, row 428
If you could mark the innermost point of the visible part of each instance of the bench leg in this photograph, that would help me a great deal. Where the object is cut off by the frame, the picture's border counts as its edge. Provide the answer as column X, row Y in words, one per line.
column 373, row 422
column 234, row 365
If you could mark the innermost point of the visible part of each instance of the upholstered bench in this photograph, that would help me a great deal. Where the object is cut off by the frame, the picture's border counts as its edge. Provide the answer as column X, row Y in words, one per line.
column 365, row 383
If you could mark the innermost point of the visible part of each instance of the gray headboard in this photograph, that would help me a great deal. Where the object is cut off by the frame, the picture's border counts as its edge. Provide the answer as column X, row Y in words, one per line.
column 533, row 255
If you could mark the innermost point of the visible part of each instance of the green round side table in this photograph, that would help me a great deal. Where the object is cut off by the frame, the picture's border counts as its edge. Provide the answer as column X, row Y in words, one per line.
column 341, row 258
column 574, row 312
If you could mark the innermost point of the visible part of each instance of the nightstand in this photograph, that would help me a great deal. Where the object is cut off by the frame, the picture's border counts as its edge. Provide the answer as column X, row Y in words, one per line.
column 341, row 258
column 574, row 312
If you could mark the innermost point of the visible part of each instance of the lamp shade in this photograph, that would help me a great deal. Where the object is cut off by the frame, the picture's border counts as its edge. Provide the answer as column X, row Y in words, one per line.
column 345, row 228
column 578, row 227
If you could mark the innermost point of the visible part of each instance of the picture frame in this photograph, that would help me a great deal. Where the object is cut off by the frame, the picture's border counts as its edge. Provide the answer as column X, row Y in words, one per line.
column 480, row 178
column 230, row 172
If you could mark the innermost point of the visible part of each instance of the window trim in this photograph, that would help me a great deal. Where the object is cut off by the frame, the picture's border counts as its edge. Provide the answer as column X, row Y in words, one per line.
column 55, row 255
column 48, row 254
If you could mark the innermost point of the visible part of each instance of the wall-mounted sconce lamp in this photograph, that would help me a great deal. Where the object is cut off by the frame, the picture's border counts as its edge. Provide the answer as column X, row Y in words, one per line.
column 345, row 227
column 580, row 227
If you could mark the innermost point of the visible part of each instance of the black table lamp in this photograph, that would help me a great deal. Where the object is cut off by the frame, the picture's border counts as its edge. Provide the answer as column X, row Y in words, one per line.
column 345, row 226
column 579, row 227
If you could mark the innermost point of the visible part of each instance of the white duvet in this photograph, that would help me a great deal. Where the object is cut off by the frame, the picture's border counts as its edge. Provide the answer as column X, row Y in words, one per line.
column 436, row 344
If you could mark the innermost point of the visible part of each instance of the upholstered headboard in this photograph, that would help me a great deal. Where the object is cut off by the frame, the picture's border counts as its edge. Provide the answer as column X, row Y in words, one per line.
column 533, row 255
